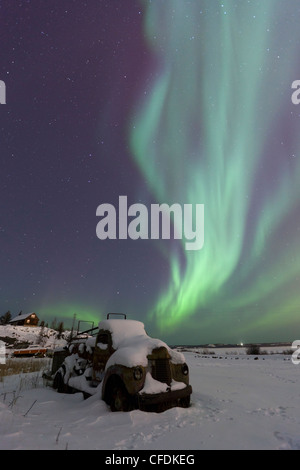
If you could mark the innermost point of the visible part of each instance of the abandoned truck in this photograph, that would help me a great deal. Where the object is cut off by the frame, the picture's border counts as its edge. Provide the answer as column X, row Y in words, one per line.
column 126, row 367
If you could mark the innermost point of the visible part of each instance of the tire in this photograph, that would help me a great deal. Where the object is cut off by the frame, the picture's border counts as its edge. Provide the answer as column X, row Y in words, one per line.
column 185, row 402
column 120, row 399
column 59, row 383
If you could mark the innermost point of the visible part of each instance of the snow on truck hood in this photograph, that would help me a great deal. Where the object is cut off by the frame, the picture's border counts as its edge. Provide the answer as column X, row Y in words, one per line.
column 132, row 343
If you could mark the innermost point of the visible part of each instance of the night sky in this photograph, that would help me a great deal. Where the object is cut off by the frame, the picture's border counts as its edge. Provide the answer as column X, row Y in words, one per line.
column 163, row 101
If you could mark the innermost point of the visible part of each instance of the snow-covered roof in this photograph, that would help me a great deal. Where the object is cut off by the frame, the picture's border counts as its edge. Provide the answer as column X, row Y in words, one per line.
column 132, row 344
column 22, row 317
column 122, row 330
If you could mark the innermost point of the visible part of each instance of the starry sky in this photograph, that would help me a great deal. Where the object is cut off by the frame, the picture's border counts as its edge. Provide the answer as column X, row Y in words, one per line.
column 164, row 101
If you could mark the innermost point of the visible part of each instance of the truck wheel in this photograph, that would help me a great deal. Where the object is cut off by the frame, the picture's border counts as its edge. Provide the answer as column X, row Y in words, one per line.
column 120, row 399
column 185, row 402
column 58, row 382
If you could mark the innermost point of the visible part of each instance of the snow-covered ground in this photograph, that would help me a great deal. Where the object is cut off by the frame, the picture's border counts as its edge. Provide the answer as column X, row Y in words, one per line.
column 46, row 337
column 237, row 403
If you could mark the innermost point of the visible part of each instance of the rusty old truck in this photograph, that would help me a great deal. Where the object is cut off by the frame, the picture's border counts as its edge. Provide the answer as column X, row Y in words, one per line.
column 123, row 365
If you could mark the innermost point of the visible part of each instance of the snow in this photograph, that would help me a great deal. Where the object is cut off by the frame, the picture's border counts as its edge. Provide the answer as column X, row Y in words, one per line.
column 154, row 386
column 102, row 346
column 132, row 344
column 132, row 355
column 122, row 330
column 90, row 344
column 32, row 335
column 237, row 403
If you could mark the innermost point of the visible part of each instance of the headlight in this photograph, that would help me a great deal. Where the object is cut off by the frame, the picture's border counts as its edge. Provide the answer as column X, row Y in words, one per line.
column 138, row 373
column 185, row 369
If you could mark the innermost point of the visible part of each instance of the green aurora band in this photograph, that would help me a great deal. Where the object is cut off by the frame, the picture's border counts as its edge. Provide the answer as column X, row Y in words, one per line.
column 205, row 133
column 71, row 313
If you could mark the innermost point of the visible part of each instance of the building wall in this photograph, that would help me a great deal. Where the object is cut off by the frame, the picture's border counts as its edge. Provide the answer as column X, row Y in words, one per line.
column 31, row 320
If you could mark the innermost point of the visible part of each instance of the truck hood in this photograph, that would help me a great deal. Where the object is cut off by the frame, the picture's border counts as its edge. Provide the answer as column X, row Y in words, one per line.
column 134, row 351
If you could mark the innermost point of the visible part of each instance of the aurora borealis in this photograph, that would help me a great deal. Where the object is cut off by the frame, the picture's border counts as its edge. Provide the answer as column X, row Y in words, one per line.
column 216, row 103
column 165, row 101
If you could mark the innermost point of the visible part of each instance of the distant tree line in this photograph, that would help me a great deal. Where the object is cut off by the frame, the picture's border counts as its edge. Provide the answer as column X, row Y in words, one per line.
column 55, row 325
column 253, row 349
column 5, row 319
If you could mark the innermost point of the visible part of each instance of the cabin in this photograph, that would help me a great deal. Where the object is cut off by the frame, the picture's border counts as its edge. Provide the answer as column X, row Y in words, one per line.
column 25, row 319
